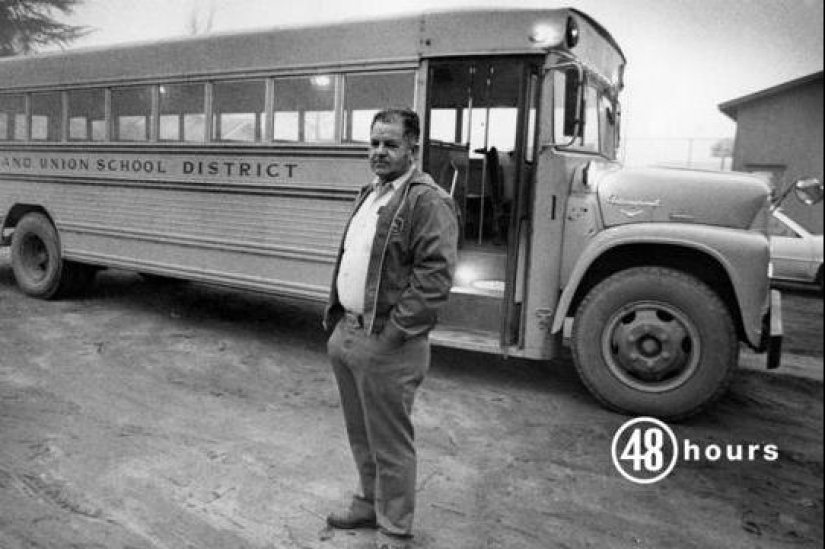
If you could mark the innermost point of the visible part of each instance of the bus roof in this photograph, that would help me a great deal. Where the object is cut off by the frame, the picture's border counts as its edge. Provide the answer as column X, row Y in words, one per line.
column 392, row 42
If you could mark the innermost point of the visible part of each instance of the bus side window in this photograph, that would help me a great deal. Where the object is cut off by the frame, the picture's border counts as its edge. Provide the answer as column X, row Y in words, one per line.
column 46, row 116
column 239, row 110
column 366, row 94
column 131, row 111
column 87, row 115
column 305, row 109
column 182, row 115
column 12, row 118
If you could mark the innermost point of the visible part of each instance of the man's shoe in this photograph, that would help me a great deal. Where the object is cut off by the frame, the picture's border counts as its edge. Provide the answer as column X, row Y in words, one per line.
column 361, row 514
column 384, row 540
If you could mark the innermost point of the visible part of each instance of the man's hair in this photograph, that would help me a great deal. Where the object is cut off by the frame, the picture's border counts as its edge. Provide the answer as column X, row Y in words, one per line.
column 408, row 117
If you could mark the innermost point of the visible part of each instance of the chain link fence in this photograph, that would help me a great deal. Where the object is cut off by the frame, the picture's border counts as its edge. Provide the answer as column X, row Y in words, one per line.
column 703, row 153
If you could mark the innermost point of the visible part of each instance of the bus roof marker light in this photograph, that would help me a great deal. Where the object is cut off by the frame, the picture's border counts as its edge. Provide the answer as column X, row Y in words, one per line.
column 571, row 34
column 545, row 34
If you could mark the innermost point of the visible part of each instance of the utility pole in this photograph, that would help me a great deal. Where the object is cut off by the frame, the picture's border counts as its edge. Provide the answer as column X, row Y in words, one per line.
column 690, row 153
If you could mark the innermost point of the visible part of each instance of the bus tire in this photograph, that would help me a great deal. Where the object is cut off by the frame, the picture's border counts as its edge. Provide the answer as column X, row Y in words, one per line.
column 37, row 261
column 655, row 341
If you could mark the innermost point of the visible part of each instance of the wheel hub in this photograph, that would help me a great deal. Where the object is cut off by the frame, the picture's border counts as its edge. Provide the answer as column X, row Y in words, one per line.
column 35, row 257
column 651, row 345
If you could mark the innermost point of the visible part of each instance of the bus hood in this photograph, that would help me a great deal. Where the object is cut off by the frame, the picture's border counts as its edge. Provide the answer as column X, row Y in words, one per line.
column 726, row 199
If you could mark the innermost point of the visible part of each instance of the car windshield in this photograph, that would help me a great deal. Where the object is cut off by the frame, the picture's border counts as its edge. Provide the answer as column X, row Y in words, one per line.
column 782, row 225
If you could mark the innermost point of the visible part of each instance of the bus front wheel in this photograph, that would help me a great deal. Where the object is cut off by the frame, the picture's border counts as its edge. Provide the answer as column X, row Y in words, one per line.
column 654, row 341
column 37, row 262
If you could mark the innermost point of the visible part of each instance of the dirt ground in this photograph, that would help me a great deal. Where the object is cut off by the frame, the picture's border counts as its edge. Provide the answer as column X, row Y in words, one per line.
column 147, row 415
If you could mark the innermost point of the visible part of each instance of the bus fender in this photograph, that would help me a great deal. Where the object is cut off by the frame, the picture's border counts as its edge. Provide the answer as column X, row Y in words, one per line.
column 743, row 256
column 14, row 215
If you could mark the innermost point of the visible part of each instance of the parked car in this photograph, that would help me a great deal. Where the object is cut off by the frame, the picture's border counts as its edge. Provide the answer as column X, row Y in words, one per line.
column 796, row 254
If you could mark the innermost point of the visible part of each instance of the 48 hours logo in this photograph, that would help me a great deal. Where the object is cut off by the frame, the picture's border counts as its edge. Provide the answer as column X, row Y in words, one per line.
column 644, row 450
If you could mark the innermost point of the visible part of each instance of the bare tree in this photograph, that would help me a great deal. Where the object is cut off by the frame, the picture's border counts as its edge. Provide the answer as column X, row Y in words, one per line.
column 200, row 21
column 26, row 25
column 722, row 149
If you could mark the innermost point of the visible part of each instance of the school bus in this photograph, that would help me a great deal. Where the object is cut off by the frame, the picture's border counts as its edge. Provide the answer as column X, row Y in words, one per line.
column 234, row 159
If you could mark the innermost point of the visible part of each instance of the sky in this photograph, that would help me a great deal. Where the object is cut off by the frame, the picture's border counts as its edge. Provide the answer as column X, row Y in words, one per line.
column 684, row 56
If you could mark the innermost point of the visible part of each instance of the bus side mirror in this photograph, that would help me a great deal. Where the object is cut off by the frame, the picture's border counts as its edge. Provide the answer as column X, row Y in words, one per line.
column 572, row 103
column 568, row 103
column 808, row 190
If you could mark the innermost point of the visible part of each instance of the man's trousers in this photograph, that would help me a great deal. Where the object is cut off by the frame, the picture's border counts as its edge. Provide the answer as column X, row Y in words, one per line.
column 377, row 382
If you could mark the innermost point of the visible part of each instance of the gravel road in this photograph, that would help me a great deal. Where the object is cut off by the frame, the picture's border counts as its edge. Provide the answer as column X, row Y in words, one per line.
column 151, row 415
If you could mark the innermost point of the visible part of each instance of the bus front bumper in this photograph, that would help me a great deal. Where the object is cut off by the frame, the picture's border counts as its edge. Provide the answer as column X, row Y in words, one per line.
column 772, row 331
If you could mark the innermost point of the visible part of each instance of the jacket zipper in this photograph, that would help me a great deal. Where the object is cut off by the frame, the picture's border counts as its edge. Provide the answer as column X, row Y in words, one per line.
column 384, row 253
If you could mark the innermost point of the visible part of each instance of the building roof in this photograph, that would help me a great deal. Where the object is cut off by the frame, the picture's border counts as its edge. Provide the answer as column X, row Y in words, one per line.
column 731, row 108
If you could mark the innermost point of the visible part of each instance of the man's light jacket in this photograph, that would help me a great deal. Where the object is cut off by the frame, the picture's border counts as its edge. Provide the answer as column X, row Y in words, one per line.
column 413, row 259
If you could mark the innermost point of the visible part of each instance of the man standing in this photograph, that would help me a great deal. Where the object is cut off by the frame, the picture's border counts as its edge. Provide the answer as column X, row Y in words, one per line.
column 394, row 270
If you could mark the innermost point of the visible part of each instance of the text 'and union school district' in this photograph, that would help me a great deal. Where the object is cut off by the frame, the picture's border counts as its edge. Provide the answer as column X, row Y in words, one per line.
column 140, row 164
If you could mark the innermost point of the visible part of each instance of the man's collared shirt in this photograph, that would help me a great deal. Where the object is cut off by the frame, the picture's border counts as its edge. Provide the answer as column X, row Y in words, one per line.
column 352, row 273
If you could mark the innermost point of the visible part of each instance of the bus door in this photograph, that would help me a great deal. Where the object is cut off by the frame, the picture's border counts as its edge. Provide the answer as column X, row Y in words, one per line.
column 481, row 118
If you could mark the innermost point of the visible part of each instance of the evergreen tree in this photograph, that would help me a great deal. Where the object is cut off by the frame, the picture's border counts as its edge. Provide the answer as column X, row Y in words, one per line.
column 26, row 25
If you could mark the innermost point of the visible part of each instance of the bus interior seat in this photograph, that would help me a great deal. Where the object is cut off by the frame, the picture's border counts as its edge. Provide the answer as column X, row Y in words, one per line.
column 448, row 165
column 496, row 191
column 508, row 176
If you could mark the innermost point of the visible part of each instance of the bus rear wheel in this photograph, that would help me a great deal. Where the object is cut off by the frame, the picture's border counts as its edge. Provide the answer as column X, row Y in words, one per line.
column 37, row 262
column 655, row 341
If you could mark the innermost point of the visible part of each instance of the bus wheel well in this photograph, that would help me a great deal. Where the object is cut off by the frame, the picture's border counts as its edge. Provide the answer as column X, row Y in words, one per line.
column 17, row 212
column 687, row 260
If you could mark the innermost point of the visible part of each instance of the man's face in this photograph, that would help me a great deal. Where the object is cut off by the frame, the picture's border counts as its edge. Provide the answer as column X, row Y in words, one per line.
column 390, row 154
